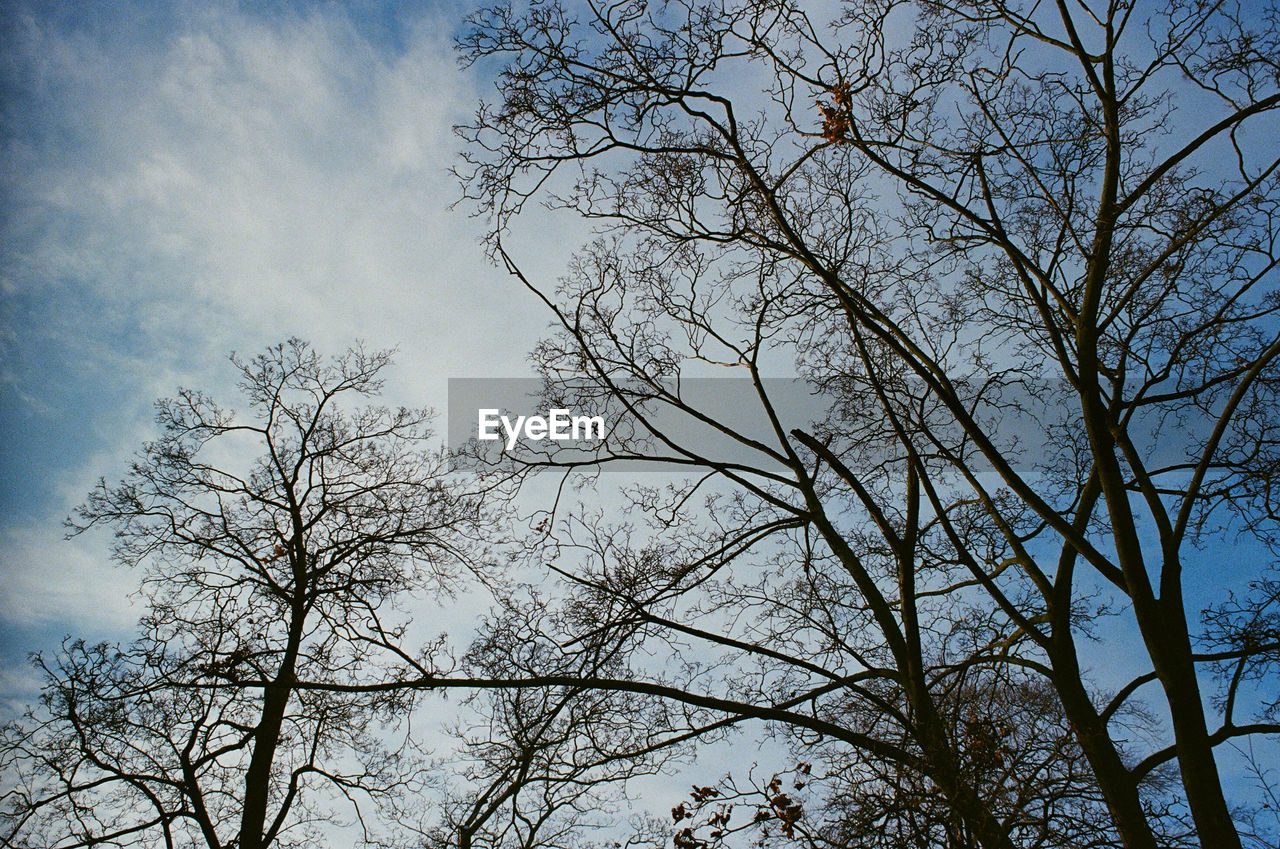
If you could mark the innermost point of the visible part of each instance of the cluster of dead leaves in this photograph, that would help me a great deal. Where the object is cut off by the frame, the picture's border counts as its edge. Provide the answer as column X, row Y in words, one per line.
column 779, row 806
column 837, row 116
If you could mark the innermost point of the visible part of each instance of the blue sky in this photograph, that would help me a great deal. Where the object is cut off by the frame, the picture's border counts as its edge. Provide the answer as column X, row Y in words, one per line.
column 184, row 179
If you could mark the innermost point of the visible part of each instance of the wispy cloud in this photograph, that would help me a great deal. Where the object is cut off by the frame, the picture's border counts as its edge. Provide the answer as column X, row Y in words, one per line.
column 214, row 180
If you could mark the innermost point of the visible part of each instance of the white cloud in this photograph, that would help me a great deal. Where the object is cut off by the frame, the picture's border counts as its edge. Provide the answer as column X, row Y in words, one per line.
column 222, row 187
column 249, row 179
column 67, row 583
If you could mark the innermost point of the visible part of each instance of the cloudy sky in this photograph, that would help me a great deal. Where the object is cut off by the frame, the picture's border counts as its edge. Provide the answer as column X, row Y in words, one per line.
column 185, row 179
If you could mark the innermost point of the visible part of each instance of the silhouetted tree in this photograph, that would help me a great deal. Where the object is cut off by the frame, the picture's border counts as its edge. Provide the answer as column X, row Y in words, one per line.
column 544, row 766
column 1029, row 251
column 275, row 547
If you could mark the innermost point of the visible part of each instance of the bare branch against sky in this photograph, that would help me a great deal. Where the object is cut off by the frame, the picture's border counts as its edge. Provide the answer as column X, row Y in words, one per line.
column 874, row 409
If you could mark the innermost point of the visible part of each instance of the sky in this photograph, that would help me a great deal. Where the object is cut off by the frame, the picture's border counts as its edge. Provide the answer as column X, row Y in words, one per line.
column 185, row 179
column 181, row 180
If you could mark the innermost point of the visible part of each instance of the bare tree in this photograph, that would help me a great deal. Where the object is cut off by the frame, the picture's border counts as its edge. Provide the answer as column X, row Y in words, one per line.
column 1019, row 753
column 952, row 217
column 259, row 572
column 545, row 767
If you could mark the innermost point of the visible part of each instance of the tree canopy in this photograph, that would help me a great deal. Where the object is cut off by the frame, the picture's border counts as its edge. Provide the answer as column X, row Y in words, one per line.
column 275, row 545
column 1028, row 251
column 1014, row 586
